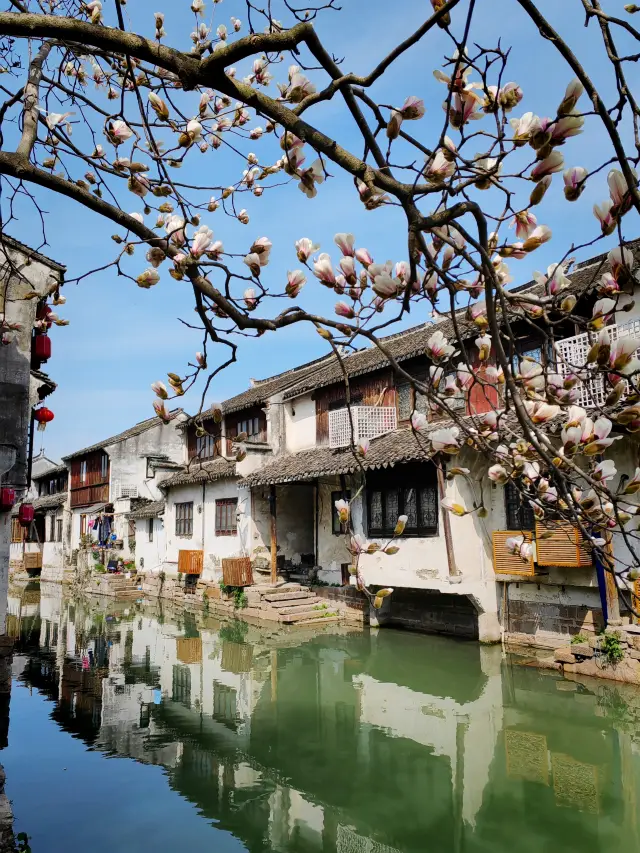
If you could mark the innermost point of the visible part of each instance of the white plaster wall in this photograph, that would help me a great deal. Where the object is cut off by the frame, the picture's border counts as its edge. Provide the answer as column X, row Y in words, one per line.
column 150, row 556
column 204, row 535
column 300, row 423
column 295, row 523
column 332, row 548
column 129, row 458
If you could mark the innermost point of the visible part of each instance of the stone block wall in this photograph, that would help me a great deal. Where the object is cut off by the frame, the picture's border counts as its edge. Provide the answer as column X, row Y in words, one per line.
column 433, row 613
column 353, row 605
column 547, row 624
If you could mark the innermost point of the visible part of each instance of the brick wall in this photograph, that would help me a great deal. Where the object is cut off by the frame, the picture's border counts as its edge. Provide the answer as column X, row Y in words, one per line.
column 433, row 613
column 545, row 623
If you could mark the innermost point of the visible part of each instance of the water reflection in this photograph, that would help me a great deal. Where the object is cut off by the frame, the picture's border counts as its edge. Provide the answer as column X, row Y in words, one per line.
column 347, row 741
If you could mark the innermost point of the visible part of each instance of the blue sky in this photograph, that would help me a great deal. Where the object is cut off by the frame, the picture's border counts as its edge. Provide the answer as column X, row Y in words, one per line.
column 122, row 338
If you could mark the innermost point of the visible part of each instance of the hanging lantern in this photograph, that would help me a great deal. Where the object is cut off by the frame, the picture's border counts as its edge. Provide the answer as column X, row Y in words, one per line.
column 42, row 347
column 7, row 499
column 43, row 416
column 26, row 514
column 43, row 311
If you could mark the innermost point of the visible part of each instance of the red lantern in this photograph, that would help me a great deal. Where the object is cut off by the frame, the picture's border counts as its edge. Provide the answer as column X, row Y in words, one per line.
column 25, row 514
column 7, row 499
column 43, row 416
column 42, row 347
column 43, row 311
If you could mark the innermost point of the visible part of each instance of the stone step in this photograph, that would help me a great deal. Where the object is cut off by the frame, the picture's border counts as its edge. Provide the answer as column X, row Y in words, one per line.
column 305, row 600
column 328, row 620
column 287, row 596
column 306, row 614
column 297, row 608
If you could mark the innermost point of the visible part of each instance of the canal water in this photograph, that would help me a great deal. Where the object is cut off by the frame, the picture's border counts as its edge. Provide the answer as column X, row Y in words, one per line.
column 133, row 728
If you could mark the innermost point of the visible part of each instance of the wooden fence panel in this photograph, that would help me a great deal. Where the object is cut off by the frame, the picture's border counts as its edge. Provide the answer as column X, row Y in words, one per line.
column 236, row 571
column 505, row 563
column 190, row 562
column 561, row 544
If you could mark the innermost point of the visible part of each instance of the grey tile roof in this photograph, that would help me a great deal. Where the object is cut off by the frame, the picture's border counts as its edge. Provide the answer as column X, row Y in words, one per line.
column 403, row 445
column 50, row 472
column 150, row 510
column 200, row 472
column 143, row 426
column 50, row 501
column 32, row 253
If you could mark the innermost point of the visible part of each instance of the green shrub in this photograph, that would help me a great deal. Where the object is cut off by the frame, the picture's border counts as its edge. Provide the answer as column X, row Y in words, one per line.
column 611, row 649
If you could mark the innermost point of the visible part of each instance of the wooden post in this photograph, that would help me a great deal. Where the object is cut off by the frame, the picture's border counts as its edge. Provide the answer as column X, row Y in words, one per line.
column 610, row 585
column 274, row 535
column 446, row 523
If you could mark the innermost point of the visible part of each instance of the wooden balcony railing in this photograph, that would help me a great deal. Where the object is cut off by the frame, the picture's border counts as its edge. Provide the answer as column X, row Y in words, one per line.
column 90, row 495
column 572, row 356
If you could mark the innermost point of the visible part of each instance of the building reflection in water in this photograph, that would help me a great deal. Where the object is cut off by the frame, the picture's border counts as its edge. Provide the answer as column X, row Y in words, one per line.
column 347, row 741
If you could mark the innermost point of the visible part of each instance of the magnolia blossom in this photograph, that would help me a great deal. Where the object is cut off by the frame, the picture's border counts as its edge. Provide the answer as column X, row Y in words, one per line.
column 384, row 284
column 202, row 239
column 342, row 507
column 524, row 128
column 345, row 243
column 498, row 473
column 605, row 470
column 464, row 377
column 160, row 107
column 571, row 96
column 633, row 485
column 295, row 282
column 148, row 278
column 509, row 96
column 487, row 169
column 622, row 353
column 243, row 217
column 451, row 506
column 555, row 279
column 484, row 347
column 118, row 131
column 599, row 440
column 602, row 310
column 494, row 375
column 305, row 248
column 419, row 421
column 159, row 388
column 323, row 270
column 54, row 119
column 161, row 411
column 541, row 413
column 252, row 260
column 362, row 446
column 541, row 234
column 574, row 182
column 174, row 226
column 553, row 163
column 621, row 259
column 604, row 214
column 440, row 167
column 201, row 360
column 519, row 546
column 525, row 223
column 465, row 107
column 618, row 187
column 438, row 348
column 570, row 125
column 413, row 108
column 344, row 310
column 299, row 88
column 445, row 440
column 310, row 177
column 477, row 313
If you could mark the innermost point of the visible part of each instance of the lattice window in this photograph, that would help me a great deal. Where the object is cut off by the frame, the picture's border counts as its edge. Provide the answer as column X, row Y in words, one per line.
column 368, row 422
column 519, row 513
column 572, row 355
column 336, row 527
column 125, row 491
column 403, row 490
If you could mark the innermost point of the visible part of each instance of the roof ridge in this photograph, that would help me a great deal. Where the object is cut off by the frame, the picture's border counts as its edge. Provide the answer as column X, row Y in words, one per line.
column 123, row 435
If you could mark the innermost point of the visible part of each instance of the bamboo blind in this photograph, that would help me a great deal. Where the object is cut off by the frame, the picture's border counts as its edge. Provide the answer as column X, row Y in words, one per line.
column 236, row 657
column 190, row 562
column 189, row 649
column 236, row 571
column 561, row 545
column 505, row 563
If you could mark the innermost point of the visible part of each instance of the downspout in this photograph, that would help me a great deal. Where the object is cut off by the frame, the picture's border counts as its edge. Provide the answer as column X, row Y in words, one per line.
column 317, row 510
column 454, row 573
column 204, row 492
column 30, row 459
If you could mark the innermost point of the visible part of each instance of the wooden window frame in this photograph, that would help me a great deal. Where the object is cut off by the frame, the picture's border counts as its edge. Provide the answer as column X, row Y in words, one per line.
column 59, row 526
column 338, row 529
column 17, row 531
column 51, row 537
column 403, row 481
column 150, row 523
column 84, row 471
column 184, row 519
column 517, row 518
column 104, row 467
column 226, row 521
column 83, row 524
column 206, row 446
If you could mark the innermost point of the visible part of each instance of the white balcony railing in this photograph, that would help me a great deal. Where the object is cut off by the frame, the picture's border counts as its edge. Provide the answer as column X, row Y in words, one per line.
column 572, row 356
column 368, row 422
column 123, row 490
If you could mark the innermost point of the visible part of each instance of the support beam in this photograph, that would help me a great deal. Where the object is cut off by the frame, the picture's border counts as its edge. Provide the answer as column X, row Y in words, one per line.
column 274, row 535
column 446, row 523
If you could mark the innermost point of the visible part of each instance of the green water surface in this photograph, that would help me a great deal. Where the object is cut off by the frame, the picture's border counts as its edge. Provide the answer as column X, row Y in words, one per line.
column 132, row 728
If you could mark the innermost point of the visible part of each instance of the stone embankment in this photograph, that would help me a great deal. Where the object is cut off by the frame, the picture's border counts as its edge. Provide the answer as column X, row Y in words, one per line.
column 614, row 655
